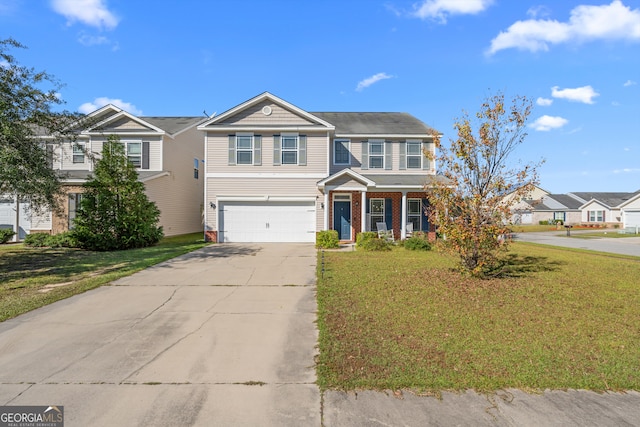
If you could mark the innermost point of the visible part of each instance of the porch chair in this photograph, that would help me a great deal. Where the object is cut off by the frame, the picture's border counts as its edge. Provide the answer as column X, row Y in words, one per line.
column 409, row 230
column 383, row 233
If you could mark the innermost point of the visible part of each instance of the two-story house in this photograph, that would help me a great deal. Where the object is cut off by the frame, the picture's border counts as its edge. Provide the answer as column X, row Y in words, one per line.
column 167, row 153
column 277, row 173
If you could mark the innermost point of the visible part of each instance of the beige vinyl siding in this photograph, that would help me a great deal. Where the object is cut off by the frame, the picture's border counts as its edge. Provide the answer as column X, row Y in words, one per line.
column 40, row 221
column 356, row 159
column 125, row 124
column 155, row 147
column 63, row 157
column 218, row 155
column 345, row 181
column 179, row 196
column 254, row 116
column 266, row 187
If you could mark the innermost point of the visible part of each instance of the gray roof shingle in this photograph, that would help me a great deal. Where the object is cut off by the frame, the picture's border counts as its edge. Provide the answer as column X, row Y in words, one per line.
column 376, row 123
column 172, row 125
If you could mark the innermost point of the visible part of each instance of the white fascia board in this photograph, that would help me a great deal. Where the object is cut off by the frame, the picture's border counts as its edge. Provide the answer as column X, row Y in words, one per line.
column 126, row 134
column 382, row 136
column 266, row 175
column 120, row 115
column 342, row 188
column 159, row 175
column 354, row 175
column 246, row 128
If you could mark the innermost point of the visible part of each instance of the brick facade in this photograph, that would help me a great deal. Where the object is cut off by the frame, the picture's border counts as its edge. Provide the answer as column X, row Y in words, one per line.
column 60, row 220
column 211, row 236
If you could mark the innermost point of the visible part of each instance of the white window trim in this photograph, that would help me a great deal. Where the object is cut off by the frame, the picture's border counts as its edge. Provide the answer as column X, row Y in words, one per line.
column 348, row 141
column 369, row 145
column 371, row 214
column 126, row 151
column 80, row 146
column 418, row 215
column 420, row 155
column 244, row 150
column 289, row 150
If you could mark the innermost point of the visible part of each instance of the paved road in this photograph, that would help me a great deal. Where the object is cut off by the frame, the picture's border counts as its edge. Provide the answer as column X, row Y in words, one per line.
column 226, row 336
column 624, row 246
column 223, row 336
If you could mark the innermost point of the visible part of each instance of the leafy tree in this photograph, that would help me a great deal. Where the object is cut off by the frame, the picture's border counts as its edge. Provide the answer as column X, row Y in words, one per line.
column 115, row 212
column 472, row 211
column 26, row 113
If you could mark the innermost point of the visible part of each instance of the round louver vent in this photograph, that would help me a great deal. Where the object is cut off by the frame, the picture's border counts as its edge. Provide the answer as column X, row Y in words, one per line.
column 266, row 110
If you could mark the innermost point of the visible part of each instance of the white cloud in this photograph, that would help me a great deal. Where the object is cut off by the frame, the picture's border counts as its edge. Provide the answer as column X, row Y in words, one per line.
column 546, row 123
column 90, row 12
column 89, row 107
column 610, row 22
column 88, row 40
column 371, row 80
column 544, row 102
column 537, row 11
column 583, row 94
column 627, row 170
column 629, row 83
column 4, row 64
column 440, row 9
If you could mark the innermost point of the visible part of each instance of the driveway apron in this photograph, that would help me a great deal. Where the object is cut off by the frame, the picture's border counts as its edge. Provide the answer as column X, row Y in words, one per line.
column 224, row 335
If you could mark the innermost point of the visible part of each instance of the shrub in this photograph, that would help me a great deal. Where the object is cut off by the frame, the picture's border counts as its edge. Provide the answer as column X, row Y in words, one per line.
column 6, row 234
column 417, row 243
column 327, row 239
column 62, row 240
column 369, row 241
column 36, row 240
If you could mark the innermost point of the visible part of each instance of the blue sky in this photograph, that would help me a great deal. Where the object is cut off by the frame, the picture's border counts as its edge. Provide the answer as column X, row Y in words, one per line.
column 578, row 61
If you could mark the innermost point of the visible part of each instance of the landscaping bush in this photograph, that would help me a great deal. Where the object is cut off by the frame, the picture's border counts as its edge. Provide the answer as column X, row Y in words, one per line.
column 369, row 241
column 417, row 243
column 327, row 239
column 36, row 240
column 6, row 234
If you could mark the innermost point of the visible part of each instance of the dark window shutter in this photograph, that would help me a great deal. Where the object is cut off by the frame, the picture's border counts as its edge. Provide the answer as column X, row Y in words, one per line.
column 388, row 153
column 365, row 155
column 257, row 150
column 403, row 155
column 232, row 150
column 302, row 150
column 424, row 226
column 388, row 213
column 145, row 154
column 277, row 157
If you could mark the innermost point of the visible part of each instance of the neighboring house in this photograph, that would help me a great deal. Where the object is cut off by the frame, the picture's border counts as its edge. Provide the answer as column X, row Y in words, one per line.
column 277, row 173
column 603, row 208
column 630, row 210
column 167, row 153
column 522, row 210
column 557, row 207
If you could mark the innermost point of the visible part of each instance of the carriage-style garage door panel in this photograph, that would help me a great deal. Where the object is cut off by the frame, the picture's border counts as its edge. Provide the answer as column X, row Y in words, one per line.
column 267, row 222
column 632, row 219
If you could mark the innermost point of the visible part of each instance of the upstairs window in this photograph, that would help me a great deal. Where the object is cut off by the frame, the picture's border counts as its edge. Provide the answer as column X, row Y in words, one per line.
column 414, row 155
column 78, row 152
column 376, row 154
column 289, row 149
column 244, row 149
column 341, row 152
column 134, row 153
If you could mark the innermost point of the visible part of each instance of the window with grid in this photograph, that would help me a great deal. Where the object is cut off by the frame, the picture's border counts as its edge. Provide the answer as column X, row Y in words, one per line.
column 78, row 152
column 376, row 213
column 289, row 149
column 376, row 154
column 244, row 149
column 341, row 155
column 134, row 153
column 414, row 155
column 596, row 216
column 414, row 213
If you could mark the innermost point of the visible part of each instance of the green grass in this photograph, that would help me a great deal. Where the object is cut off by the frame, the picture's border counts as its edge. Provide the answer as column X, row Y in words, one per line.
column 404, row 319
column 26, row 274
column 600, row 234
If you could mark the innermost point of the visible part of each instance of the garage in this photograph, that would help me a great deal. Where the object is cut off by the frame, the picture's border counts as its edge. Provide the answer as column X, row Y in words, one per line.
column 631, row 219
column 241, row 221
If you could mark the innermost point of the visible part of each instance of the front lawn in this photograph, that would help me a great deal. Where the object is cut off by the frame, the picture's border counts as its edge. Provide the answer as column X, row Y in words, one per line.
column 403, row 319
column 34, row 277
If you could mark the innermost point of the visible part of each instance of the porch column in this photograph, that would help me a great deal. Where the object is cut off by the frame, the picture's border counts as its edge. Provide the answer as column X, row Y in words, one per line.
column 403, row 209
column 326, row 211
column 363, row 208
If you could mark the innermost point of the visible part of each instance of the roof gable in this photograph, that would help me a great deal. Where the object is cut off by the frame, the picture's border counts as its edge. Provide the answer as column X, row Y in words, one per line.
column 265, row 110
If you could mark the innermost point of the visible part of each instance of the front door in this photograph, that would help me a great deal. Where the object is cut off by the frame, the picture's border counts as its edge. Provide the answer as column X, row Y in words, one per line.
column 342, row 219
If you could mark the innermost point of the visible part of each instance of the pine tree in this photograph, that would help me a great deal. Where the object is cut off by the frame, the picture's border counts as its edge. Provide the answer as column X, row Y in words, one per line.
column 115, row 212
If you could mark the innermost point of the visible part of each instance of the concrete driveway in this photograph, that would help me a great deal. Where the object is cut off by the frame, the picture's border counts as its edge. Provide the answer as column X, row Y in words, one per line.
column 225, row 335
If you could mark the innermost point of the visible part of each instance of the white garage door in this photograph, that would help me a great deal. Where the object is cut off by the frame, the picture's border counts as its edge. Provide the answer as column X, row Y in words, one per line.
column 267, row 222
column 632, row 218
